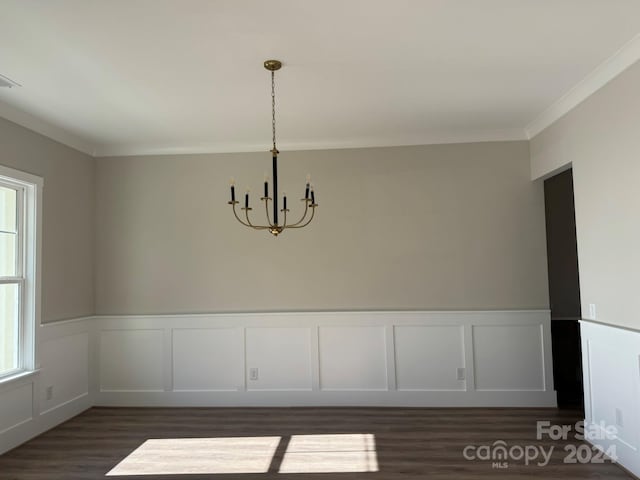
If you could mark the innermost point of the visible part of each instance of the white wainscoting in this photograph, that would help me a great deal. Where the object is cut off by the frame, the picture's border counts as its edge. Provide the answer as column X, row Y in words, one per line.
column 471, row 358
column 65, row 364
column 611, row 368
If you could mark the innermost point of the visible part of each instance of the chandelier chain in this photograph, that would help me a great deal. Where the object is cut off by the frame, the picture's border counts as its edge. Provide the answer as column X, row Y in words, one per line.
column 273, row 107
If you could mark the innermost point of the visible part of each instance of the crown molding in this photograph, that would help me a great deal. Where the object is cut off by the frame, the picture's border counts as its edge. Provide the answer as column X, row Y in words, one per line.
column 503, row 135
column 64, row 137
column 594, row 81
column 45, row 128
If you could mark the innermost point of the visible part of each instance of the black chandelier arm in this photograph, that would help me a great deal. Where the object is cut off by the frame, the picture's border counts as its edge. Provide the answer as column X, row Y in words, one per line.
column 296, row 225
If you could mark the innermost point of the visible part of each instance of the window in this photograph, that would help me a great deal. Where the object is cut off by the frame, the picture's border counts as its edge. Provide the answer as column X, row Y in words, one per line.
column 19, row 284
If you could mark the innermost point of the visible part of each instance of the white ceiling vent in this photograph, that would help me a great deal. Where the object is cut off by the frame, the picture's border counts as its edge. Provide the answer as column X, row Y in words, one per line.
column 7, row 82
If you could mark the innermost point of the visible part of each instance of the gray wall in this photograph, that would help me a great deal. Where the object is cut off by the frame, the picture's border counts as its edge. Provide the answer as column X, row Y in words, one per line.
column 600, row 138
column 68, row 227
column 433, row 227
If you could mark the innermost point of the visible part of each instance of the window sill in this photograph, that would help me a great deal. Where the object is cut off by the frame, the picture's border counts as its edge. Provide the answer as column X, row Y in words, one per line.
column 17, row 379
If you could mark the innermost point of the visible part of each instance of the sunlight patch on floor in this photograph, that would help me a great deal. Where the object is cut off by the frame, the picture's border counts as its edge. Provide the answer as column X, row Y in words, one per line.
column 338, row 453
column 180, row 456
column 333, row 453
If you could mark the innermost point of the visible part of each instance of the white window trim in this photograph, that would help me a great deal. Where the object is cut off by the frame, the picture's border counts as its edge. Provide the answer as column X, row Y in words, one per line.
column 32, row 251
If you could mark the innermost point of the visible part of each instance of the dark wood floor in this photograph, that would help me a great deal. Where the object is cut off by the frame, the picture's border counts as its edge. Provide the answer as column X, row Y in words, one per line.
column 409, row 443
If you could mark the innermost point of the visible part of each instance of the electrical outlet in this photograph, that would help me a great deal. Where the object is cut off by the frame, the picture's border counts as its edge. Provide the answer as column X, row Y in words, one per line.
column 253, row 373
column 49, row 392
column 619, row 417
column 461, row 373
column 592, row 311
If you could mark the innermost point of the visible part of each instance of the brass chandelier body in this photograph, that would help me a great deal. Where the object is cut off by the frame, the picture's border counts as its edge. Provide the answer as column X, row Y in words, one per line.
column 273, row 226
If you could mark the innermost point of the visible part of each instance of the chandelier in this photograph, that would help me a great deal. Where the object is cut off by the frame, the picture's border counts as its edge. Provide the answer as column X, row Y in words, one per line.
column 273, row 226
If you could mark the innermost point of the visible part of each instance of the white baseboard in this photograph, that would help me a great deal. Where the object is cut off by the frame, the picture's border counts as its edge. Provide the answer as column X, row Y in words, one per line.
column 328, row 399
column 24, row 432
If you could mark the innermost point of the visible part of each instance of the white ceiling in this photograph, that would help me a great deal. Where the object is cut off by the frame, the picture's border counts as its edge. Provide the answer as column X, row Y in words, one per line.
column 165, row 76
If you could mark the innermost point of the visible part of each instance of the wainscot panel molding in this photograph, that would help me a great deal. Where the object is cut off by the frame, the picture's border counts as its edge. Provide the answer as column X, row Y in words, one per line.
column 611, row 369
column 382, row 358
column 59, row 388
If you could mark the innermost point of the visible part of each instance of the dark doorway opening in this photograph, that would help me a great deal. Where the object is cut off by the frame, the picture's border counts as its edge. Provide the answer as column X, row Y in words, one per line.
column 564, row 289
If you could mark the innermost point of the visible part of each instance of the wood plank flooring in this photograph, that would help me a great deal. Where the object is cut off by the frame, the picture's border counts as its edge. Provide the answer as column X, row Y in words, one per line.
column 411, row 443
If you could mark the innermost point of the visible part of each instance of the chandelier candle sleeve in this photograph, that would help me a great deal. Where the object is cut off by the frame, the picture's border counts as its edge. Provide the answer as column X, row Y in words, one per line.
column 246, row 199
column 233, row 190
